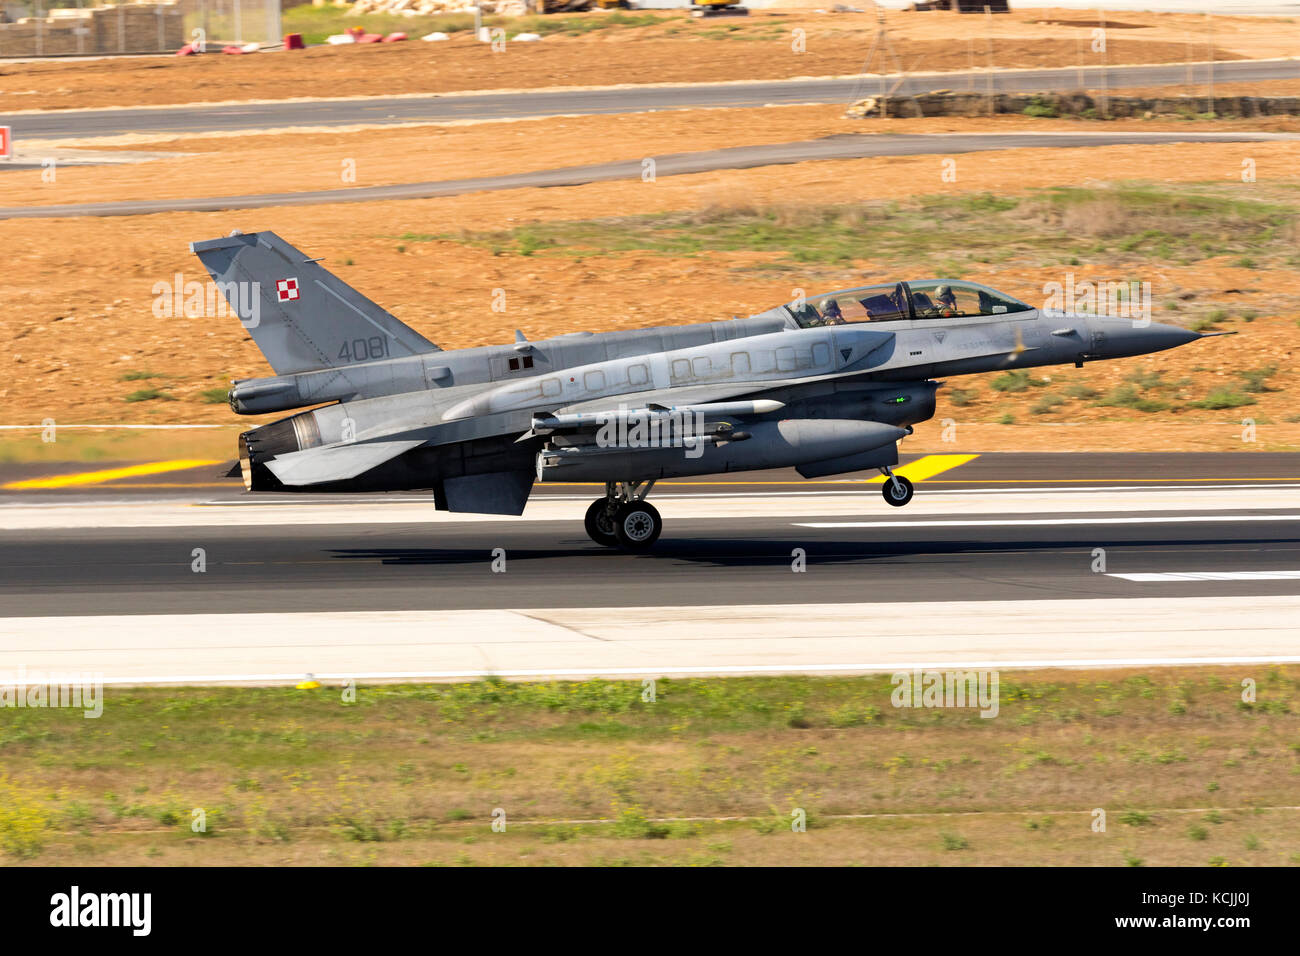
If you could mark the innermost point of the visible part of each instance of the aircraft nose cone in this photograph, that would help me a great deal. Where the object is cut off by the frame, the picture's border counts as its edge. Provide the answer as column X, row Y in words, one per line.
column 1116, row 338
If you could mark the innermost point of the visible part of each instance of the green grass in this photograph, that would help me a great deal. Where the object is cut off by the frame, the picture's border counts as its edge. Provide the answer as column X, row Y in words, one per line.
column 1126, row 396
column 1220, row 398
column 214, row 396
column 407, row 773
column 317, row 23
column 1017, row 381
column 1128, row 224
column 149, row 395
column 135, row 376
column 1256, row 380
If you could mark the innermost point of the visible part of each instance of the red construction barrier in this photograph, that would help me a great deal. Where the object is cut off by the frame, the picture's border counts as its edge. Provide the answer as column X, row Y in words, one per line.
column 371, row 38
column 187, row 50
column 395, row 37
column 6, row 142
column 357, row 32
column 232, row 49
column 293, row 41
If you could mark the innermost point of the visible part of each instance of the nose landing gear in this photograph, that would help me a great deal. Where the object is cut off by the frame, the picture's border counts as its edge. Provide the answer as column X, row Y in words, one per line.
column 897, row 490
column 623, row 518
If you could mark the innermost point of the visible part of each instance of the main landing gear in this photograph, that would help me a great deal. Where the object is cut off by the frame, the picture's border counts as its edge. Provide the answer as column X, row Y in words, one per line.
column 897, row 490
column 623, row 518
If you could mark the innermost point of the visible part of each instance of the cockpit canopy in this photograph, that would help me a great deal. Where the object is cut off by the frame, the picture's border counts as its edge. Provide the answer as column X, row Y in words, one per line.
column 926, row 299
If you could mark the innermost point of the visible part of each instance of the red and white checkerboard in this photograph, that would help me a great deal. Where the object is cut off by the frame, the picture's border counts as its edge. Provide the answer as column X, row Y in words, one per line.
column 287, row 290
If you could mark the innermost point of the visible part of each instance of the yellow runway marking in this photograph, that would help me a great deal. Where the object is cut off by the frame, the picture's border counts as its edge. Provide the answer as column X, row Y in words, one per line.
column 1093, row 481
column 109, row 474
column 926, row 467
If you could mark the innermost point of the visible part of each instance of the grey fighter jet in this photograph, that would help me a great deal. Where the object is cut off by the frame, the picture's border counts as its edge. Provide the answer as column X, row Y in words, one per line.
column 826, row 385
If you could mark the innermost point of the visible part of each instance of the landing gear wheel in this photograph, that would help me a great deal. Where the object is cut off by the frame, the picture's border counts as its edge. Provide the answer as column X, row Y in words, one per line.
column 637, row 525
column 600, row 524
column 898, row 490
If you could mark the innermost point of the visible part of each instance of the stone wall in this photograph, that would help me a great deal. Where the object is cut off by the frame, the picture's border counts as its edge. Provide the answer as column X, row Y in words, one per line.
column 127, row 28
column 949, row 103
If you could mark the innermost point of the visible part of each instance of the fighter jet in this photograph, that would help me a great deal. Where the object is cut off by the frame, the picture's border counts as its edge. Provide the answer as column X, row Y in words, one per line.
column 827, row 385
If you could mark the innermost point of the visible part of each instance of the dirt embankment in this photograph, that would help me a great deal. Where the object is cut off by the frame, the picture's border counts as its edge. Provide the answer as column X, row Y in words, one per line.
column 77, row 343
column 676, row 49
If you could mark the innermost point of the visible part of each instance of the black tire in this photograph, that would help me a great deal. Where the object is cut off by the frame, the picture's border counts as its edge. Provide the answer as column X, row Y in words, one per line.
column 599, row 525
column 637, row 525
column 891, row 492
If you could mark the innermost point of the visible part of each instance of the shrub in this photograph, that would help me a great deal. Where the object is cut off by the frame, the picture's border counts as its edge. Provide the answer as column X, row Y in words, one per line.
column 633, row 824
column 1223, row 398
column 1126, row 396
column 1040, row 107
column 147, row 395
column 23, row 822
column 954, row 841
column 1016, row 381
column 1047, row 404
column 1135, row 818
column 1256, row 380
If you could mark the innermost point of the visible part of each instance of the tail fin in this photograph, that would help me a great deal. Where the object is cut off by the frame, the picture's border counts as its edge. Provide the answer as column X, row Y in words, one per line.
column 301, row 317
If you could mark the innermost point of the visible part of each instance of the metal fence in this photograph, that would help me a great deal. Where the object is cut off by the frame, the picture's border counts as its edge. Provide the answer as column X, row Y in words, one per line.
column 81, row 27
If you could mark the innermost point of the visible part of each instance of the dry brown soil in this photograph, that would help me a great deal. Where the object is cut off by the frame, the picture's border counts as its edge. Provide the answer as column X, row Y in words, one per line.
column 71, row 334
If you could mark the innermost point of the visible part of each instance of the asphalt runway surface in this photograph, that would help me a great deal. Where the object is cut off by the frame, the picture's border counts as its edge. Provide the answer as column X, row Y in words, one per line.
column 675, row 164
column 76, row 124
column 726, row 539
column 993, row 564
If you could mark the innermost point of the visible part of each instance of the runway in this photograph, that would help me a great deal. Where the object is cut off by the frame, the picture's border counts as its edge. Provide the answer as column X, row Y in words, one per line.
column 674, row 164
column 194, row 118
column 995, row 562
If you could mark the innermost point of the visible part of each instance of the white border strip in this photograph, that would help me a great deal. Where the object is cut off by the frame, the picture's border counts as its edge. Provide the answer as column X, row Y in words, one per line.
column 1106, row 663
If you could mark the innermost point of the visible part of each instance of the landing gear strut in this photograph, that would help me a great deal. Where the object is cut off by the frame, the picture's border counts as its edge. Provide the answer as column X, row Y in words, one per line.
column 623, row 518
column 897, row 490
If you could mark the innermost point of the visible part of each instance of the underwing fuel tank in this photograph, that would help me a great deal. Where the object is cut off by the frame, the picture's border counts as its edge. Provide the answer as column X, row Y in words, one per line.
column 770, row 444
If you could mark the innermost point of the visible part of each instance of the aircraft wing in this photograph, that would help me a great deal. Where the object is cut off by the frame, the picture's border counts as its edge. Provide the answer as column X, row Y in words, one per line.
column 705, row 399
column 676, row 397
column 314, row 466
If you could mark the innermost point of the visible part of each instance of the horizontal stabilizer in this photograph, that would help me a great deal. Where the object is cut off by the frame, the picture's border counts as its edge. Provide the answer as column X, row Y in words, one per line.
column 315, row 466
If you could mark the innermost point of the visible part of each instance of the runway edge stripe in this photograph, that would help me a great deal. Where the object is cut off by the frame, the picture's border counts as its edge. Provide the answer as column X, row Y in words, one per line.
column 109, row 474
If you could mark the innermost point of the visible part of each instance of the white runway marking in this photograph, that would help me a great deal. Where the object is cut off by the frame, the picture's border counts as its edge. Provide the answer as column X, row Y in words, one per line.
column 1157, row 576
column 733, row 671
column 1028, row 522
column 651, row 641
column 823, row 509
